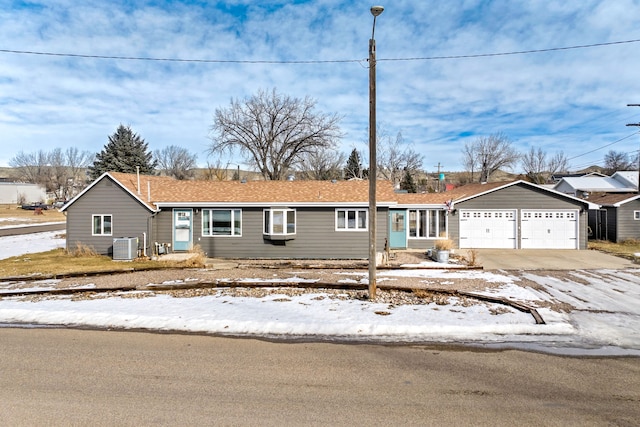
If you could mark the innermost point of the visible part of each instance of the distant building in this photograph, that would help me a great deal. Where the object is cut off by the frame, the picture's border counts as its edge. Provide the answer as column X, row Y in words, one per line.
column 21, row 192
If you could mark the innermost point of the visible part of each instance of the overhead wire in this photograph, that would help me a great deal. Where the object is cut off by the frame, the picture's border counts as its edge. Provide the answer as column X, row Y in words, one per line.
column 427, row 58
column 320, row 61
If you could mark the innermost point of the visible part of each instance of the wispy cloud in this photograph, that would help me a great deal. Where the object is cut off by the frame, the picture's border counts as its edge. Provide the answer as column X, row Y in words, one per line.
column 569, row 100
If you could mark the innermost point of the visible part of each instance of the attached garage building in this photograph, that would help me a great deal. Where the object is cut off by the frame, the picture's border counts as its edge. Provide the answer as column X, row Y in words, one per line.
column 517, row 215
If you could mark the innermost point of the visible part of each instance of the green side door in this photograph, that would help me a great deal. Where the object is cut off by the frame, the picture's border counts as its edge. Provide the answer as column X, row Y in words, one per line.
column 397, row 229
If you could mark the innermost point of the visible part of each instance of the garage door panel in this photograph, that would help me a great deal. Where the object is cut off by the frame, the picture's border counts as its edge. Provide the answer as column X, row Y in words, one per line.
column 487, row 229
column 549, row 229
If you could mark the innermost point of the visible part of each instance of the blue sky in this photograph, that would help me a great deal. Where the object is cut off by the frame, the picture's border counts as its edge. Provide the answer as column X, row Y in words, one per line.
column 571, row 100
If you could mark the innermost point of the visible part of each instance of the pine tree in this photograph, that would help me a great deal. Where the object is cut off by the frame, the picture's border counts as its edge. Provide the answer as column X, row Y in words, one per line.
column 123, row 153
column 353, row 168
column 408, row 183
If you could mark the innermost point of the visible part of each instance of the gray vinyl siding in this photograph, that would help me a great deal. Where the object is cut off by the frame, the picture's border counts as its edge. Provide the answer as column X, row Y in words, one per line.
column 129, row 217
column 315, row 238
column 626, row 228
column 519, row 197
column 421, row 243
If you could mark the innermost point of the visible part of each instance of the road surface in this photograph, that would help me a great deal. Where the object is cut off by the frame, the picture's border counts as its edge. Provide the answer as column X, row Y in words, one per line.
column 15, row 231
column 100, row 378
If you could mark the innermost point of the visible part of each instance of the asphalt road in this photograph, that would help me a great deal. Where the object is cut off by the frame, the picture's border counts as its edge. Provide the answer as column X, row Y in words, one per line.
column 16, row 231
column 72, row 377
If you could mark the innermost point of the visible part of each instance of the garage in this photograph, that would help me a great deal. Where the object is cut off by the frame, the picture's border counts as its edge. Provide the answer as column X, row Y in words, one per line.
column 516, row 215
column 488, row 228
column 549, row 229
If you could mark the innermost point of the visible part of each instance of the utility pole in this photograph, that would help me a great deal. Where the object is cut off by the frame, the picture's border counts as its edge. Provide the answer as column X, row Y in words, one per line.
column 373, row 212
column 636, row 124
column 438, row 176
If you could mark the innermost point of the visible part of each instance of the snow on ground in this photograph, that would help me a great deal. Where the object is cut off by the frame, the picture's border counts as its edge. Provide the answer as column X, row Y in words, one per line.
column 606, row 318
column 30, row 243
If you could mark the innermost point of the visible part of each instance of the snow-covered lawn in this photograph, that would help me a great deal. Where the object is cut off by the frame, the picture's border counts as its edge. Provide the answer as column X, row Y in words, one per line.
column 605, row 318
column 29, row 243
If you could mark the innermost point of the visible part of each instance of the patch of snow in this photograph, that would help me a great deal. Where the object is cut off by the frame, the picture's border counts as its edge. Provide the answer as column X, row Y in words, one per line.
column 30, row 243
column 605, row 314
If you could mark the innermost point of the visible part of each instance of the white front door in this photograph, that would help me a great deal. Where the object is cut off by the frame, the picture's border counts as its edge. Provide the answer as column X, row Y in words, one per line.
column 549, row 229
column 487, row 228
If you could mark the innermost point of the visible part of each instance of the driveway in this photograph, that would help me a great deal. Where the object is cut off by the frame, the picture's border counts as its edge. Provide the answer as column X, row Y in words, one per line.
column 546, row 259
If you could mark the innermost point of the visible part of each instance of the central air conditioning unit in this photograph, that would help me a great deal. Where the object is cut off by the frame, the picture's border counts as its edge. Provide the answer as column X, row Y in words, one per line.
column 125, row 248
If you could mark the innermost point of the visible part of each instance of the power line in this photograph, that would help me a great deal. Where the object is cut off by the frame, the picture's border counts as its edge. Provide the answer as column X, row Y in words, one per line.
column 142, row 58
column 519, row 52
column 324, row 61
column 600, row 148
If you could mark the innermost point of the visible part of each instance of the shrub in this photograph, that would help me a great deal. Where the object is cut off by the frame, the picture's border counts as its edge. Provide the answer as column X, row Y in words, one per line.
column 82, row 250
column 198, row 260
column 443, row 245
column 472, row 257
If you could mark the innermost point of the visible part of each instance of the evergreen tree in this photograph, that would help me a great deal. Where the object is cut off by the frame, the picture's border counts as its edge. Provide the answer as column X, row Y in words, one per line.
column 123, row 153
column 408, row 183
column 354, row 167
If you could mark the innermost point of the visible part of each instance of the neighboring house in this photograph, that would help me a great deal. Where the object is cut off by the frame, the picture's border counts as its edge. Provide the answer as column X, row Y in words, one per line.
column 618, row 217
column 555, row 178
column 619, row 182
column 316, row 219
column 613, row 218
column 629, row 178
column 17, row 193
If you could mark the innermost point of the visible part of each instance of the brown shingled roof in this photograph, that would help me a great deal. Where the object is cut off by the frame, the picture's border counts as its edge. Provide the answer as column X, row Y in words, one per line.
column 608, row 199
column 169, row 190
column 455, row 194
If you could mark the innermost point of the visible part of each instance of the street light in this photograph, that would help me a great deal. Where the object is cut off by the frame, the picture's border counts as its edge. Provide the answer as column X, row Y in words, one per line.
column 375, row 11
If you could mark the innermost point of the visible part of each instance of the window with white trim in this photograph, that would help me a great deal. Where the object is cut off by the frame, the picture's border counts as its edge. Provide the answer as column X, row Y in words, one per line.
column 427, row 223
column 636, row 215
column 279, row 222
column 351, row 219
column 221, row 222
column 102, row 225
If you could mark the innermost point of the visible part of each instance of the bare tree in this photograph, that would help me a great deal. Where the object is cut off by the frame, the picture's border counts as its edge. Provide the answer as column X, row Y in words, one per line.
column 617, row 161
column 558, row 163
column 176, row 162
column 538, row 168
column 272, row 131
column 470, row 160
column 395, row 158
column 77, row 163
column 31, row 167
column 489, row 154
column 61, row 173
column 216, row 171
column 323, row 164
column 57, row 176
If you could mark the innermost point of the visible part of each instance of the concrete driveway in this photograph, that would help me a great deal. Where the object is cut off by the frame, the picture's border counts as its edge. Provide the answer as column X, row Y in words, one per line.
column 546, row 259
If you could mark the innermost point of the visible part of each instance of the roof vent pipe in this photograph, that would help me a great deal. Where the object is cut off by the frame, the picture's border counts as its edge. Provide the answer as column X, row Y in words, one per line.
column 138, row 175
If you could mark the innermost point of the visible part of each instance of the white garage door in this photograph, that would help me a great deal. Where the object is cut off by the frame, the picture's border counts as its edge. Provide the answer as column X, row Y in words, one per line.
column 488, row 228
column 549, row 229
